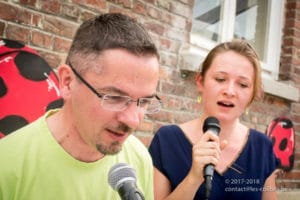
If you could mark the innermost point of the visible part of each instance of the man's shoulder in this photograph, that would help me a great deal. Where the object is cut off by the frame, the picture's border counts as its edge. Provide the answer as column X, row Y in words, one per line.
column 21, row 139
column 136, row 148
column 135, row 143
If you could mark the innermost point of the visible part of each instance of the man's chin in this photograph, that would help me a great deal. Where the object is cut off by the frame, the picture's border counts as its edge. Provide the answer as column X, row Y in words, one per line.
column 111, row 150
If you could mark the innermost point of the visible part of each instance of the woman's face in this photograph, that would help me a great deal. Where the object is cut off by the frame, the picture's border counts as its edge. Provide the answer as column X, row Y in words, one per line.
column 227, row 87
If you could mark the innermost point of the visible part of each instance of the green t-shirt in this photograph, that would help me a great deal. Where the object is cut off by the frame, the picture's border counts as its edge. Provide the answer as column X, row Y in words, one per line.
column 33, row 166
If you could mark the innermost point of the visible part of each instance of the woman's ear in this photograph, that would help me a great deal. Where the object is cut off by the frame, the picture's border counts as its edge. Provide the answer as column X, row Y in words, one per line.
column 199, row 82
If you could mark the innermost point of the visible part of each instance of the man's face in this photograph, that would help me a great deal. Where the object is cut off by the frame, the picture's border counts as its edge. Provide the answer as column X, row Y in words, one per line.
column 121, row 73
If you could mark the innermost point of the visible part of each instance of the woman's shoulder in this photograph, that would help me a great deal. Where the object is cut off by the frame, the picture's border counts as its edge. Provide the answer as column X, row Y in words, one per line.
column 258, row 134
column 169, row 133
column 258, row 138
column 170, row 128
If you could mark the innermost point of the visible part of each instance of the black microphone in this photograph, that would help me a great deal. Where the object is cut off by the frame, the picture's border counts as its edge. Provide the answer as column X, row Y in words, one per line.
column 212, row 124
column 122, row 178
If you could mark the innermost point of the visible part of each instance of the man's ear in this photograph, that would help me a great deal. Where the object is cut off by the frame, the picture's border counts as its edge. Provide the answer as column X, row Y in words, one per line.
column 199, row 82
column 65, row 77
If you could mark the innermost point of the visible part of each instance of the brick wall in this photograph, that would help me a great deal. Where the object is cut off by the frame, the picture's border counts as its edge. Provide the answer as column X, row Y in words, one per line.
column 290, row 71
column 49, row 25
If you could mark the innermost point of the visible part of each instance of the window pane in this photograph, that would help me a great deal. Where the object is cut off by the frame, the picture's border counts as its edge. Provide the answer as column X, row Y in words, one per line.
column 206, row 19
column 251, row 23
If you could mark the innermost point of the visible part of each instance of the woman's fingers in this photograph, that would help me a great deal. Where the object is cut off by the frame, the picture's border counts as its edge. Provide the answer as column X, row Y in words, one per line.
column 206, row 151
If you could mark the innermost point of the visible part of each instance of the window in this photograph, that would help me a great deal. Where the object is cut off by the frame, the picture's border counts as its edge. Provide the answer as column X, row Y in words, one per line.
column 258, row 21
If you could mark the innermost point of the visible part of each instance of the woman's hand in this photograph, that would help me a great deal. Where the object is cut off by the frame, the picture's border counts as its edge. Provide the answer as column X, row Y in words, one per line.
column 206, row 151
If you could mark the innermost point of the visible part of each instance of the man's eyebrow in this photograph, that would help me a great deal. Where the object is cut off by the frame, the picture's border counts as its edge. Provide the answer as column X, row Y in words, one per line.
column 113, row 90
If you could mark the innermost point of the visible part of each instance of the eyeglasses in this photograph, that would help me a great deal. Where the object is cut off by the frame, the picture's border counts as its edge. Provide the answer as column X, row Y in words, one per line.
column 149, row 105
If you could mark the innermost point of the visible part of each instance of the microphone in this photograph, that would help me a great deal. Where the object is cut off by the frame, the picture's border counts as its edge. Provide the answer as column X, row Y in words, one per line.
column 212, row 124
column 122, row 178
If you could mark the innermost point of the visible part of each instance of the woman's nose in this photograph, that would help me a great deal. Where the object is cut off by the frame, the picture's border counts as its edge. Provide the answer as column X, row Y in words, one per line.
column 230, row 89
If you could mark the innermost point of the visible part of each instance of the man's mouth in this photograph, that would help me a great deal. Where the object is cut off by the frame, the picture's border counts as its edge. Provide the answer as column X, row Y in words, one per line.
column 116, row 133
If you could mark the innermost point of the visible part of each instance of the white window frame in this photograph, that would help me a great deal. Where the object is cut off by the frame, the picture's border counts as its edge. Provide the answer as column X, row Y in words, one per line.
column 194, row 55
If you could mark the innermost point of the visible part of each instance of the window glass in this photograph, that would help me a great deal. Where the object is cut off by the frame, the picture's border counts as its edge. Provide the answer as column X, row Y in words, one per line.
column 206, row 19
column 251, row 23
column 258, row 21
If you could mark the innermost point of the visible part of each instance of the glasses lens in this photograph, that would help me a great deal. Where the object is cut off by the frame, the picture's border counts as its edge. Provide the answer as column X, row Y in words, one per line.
column 119, row 103
column 115, row 103
column 151, row 105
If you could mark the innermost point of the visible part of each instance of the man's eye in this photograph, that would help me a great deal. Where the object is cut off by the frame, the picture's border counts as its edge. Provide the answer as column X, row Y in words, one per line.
column 145, row 101
column 115, row 99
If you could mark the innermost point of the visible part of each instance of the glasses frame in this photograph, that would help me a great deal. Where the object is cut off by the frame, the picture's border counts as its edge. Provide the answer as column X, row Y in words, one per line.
column 101, row 95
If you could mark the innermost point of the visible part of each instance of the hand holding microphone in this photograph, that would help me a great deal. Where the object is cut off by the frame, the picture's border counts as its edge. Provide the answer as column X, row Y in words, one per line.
column 210, row 124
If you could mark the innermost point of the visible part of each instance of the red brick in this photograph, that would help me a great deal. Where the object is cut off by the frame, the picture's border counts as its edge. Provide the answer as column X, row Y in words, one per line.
column 8, row 12
column 292, row 175
column 139, row 7
column 70, row 11
column 2, row 26
column 177, row 34
column 115, row 9
column 163, row 4
column 94, row 4
column 51, row 6
column 41, row 39
column 85, row 15
column 154, row 27
column 168, row 59
column 36, row 19
column 166, row 17
column 54, row 60
column 154, row 13
column 59, row 26
column 151, row 1
column 145, row 126
column 291, row 5
column 169, row 45
column 181, row 9
column 28, row 2
column 61, row 45
column 124, row 3
column 17, row 33
column 180, row 22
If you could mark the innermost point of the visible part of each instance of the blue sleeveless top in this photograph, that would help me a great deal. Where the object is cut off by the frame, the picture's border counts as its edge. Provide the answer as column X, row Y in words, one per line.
column 171, row 152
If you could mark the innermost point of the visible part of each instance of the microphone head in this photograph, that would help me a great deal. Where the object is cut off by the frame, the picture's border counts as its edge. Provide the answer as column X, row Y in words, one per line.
column 211, row 123
column 119, row 174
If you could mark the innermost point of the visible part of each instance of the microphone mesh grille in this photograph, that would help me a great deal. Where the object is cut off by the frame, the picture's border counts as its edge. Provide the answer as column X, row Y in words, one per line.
column 120, row 173
column 211, row 122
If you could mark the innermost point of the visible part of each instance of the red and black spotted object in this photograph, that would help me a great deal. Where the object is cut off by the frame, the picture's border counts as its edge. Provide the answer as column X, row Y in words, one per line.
column 28, row 86
column 281, row 132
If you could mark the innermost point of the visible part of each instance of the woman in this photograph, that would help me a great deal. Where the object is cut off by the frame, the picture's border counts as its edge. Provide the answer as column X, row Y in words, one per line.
column 243, row 157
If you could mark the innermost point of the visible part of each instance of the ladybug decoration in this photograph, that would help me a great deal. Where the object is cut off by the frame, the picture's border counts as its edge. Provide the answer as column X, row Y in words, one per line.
column 281, row 132
column 28, row 86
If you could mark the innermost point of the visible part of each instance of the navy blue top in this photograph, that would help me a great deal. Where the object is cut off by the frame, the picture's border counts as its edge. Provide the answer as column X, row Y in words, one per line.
column 171, row 152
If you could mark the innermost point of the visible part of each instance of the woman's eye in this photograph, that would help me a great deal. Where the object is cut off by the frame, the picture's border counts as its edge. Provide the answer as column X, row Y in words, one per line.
column 220, row 79
column 244, row 85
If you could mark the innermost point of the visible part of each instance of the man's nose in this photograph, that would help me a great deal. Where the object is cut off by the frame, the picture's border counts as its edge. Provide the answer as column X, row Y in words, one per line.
column 131, row 116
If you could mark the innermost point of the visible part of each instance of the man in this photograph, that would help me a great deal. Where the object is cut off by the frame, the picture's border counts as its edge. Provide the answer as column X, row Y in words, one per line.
column 108, row 85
